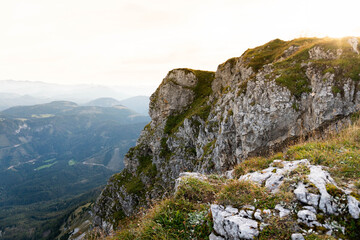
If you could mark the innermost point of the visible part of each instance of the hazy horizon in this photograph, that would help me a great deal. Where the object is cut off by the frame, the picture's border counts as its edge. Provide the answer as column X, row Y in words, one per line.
column 128, row 91
column 135, row 43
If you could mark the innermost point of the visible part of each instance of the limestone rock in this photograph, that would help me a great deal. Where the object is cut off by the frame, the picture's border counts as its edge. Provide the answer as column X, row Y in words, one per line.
column 273, row 176
column 229, row 174
column 231, row 226
column 319, row 53
column 304, row 196
column 173, row 96
column 354, row 207
column 257, row 215
column 283, row 212
column 214, row 237
column 320, row 178
column 297, row 236
column 354, row 44
column 307, row 217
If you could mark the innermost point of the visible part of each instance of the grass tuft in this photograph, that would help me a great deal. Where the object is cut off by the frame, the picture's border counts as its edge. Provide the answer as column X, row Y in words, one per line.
column 279, row 229
column 254, row 164
column 170, row 219
column 195, row 190
column 240, row 193
column 333, row 190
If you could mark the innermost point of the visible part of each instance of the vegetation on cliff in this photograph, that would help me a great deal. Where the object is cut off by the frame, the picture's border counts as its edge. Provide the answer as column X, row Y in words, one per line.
column 271, row 96
column 186, row 214
column 199, row 106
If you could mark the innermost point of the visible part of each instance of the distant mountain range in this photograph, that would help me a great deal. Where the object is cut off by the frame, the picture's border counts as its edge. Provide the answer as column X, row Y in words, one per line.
column 25, row 93
column 140, row 104
column 77, row 93
column 55, row 151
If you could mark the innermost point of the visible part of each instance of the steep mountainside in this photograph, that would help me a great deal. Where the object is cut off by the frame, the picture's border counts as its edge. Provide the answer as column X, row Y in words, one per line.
column 254, row 104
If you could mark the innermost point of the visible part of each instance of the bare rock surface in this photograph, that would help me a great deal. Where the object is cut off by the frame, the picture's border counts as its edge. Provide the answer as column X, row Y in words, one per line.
column 305, row 207
column 231, row 226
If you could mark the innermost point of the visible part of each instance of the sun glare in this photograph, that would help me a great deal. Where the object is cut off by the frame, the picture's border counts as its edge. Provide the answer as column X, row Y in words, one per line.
column 335, row 20
column 336, row 31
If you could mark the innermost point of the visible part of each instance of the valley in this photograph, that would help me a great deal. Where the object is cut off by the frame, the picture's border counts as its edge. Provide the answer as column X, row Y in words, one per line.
column 55, row 156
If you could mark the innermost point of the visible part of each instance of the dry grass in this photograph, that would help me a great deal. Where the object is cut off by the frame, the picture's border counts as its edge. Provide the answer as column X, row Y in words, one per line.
column 169, row 219
column 254, row 164
column 339, row 151
column 240, row 193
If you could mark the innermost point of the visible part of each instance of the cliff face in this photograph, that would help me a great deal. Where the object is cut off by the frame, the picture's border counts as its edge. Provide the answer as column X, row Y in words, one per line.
column 208, row 122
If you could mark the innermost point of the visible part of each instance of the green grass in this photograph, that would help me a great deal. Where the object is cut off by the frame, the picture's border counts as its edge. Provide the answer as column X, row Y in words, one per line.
column 273, row 51
column 42, row 115
column 294, row 79
column 50, row 160
column 264, row 54
column 130, row 182
column 335, row 90
column 71, row 162
column 209, row 147
column 347, row 66
column 278, row 229
column 231, row 62
column 240, row 193
column 333, row 190
column 254, row 164
column 165, row 151
column 45, row 166
column 288, row 71
column 319, row 237
column 170, row 219
column 196, row 190
column 340, row 152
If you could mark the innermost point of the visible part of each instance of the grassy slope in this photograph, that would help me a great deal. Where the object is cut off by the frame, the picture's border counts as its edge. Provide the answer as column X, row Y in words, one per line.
column 289, row 70
column 186, row 214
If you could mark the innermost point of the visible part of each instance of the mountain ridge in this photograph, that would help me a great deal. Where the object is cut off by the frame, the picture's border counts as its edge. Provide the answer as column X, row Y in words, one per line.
column 209, row 122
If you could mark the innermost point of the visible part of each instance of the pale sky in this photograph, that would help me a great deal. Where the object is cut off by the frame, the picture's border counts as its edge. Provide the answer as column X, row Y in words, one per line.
column 136, row 42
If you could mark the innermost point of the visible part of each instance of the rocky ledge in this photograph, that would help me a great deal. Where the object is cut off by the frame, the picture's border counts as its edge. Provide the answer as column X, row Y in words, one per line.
column 316, row 204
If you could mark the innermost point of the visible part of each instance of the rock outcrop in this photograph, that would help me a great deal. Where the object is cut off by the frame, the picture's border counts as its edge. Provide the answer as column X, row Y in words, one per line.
column 328, row 210
column 208, row 122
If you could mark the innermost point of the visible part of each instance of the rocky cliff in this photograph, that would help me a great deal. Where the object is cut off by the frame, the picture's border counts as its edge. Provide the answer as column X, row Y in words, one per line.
column 254, row 104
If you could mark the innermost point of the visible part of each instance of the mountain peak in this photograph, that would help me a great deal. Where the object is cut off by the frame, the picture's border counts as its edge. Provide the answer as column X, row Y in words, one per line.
column 271, row 96
column 103, row 102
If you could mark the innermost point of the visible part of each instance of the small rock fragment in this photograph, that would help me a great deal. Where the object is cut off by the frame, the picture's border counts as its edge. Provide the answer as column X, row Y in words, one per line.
column 297, row 236
column 307, row 217
column 214, row 237
column 283, row 212
column 354, row 207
